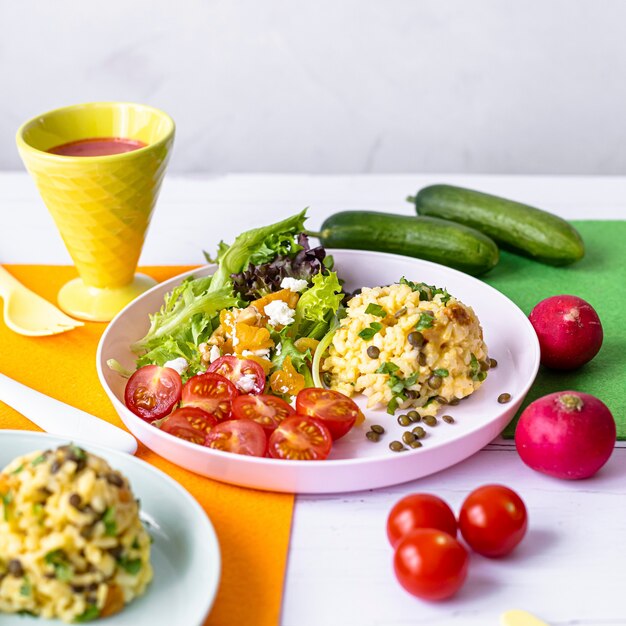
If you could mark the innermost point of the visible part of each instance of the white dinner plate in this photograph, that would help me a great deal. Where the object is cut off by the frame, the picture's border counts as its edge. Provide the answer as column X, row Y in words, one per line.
column 355, row 463
column 185, row 553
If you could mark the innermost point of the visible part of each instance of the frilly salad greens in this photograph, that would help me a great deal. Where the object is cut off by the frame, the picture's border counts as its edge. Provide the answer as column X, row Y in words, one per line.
column 252, row 267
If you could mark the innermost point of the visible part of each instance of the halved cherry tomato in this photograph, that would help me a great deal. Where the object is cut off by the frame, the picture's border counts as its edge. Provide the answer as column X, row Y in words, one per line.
column 268, row 411
column 211, row 393
column 189, row 423
column 300, row 438
column 336, row 411
column 153, row 391
column 238, row 436
column 430, row 564
column 247, row 375
column 419, row 510
column 493, row 520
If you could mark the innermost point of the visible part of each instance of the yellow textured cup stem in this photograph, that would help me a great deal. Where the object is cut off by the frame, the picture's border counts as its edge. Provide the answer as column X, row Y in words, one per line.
column 101, row 205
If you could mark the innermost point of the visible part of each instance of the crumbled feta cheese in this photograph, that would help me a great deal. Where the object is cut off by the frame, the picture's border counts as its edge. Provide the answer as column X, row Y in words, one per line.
column 293, row 284
column 279, row 349
column 263, row 352
column 246, row 383
column 284, row 389
column 279, row 313
column 214, row 354
column 180, row 365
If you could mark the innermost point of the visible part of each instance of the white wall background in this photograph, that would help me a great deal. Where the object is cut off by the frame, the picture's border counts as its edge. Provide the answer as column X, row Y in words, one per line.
column 334, row 86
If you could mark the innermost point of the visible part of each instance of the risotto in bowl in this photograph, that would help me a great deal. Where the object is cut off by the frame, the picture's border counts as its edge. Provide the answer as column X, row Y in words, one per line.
column 72, row 545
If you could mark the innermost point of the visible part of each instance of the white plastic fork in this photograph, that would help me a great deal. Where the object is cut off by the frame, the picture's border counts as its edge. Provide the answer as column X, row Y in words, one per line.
column 28, row 314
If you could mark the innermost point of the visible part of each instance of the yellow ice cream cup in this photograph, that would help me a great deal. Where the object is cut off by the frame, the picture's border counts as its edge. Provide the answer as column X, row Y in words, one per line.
column 101, row 205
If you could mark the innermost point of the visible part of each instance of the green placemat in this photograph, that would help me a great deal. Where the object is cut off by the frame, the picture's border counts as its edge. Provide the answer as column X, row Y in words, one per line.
column 600, row 278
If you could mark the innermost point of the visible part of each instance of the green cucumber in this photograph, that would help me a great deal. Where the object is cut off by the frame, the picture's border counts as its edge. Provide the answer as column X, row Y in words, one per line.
column 423, row 237
column 515, row 226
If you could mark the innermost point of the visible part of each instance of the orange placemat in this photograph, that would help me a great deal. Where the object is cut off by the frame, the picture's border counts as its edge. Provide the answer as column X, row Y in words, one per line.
column 252, row 526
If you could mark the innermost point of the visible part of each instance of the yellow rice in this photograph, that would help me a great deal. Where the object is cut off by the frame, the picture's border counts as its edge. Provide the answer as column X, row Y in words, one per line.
column 454, row 337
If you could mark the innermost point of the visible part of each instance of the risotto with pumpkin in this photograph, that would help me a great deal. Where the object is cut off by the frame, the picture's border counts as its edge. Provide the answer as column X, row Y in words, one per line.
column 407, row 345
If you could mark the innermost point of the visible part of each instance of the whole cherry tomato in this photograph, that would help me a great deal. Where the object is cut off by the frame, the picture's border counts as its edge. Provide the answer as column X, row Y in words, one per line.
column 419, row 510
column 493, row 520
column 430, row 564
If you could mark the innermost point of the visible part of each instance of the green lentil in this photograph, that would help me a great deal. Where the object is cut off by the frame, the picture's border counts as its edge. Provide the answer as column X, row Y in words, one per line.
column 326, row 378
column 493, row 363
column 414, row 416
column 396, row 446
column 404, row 420
column 503, row 398
column 373, row 352
column 419, row 432
column 416, row 444
column 372, row 436
column 441, row 400
column 377, row 428
column 400, row 312
column 448, row 419
column 434, row 382
column 408, row 437
column 484, row 366
column 454, row 402
column 430, row 420
column 416, row 339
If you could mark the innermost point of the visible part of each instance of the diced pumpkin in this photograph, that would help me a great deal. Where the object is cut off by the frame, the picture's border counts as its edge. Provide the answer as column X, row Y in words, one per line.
column 228, row 317
column 287, row 380
column 305, row 343
column 251, row 338
column 266, row 364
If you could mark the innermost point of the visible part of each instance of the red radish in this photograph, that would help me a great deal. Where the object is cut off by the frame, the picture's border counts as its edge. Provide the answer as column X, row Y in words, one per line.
column 569, row 331
column 567, row 434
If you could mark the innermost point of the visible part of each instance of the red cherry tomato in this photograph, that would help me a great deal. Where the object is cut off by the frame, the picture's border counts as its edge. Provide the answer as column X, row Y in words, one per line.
column 419, row 510
column 300, row 438
column 430, row 564
column 247, row 375
column 238, row 436
column 267, row 411
column 153, row 391
column 336, row 411
column 211, row 393
column 493, row 520
column 189, row 423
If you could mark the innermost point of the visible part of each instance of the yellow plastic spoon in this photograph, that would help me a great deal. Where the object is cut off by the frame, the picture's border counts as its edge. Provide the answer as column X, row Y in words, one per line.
column 28, row 314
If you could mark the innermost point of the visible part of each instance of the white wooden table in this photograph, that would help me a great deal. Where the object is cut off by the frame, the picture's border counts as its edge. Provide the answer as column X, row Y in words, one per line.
column 570, row 569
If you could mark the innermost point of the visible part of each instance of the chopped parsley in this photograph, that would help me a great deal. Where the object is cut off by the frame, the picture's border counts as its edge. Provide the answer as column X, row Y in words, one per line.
column 135, row 544
column 91, row 612
column 397, row 384
column 441, row 372
column 7, row 498
column 375, row 309
column 427, row 292
column 63, row 571
column 39, row 460
column 132, row 566
column 18, row 469
column 371, row 330
column 38, row 512
column 78, row 453
column 429, row 401
column 475, row 372
column 26, row 589
column 387, row 368
column 425, row 321
column 110, row 525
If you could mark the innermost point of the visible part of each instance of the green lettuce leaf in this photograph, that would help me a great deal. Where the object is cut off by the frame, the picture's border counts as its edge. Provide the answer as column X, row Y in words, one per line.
column 186, row 317
column 261, row 244
column 317, row 306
